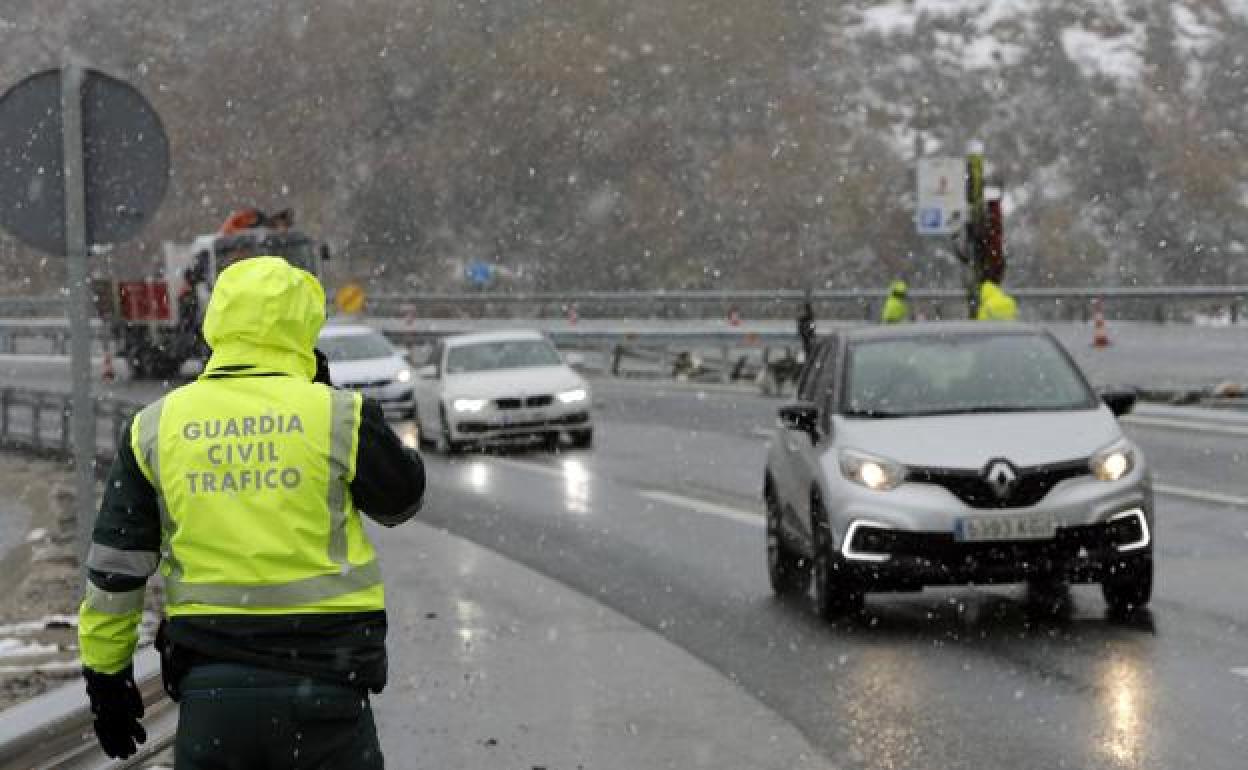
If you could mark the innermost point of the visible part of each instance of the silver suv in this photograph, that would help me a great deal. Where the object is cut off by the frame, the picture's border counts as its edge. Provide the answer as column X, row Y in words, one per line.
column 954, row 453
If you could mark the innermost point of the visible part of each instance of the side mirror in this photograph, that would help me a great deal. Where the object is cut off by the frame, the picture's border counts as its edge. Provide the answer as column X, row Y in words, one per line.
column 324, row 252
column 802, row 417
column 428, row 372
column 1120, row 400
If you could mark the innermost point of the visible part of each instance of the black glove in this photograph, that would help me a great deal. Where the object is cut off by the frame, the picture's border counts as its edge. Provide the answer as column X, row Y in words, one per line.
column 117, row 705
column 322, row 368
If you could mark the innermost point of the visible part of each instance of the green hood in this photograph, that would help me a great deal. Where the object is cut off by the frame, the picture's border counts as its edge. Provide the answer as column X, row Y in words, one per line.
column 266, row 314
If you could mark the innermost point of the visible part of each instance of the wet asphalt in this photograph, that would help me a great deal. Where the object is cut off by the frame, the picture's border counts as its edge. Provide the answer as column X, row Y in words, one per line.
column 655, row 522
column 661, row 521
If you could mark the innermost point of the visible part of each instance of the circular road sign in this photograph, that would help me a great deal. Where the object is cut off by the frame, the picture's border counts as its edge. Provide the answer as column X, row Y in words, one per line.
column 350, row 298
column 125, row 160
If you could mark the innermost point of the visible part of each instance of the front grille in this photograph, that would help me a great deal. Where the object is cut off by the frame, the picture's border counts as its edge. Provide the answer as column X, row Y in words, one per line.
column 369, row 384
column 972, row 487
column 516, row 403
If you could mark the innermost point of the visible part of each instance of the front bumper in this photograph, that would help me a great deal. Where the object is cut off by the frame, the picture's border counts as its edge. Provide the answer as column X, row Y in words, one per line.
column 904, row 561
column 397, row 399
column 517, row 426
column 918, row 543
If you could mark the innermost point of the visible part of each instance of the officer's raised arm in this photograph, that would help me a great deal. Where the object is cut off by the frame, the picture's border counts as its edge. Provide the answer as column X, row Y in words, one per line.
column 389, row 478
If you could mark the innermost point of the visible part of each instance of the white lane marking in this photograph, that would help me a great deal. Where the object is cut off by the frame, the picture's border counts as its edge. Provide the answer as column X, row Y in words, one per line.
column 1187, row 425
column 703, row 506
column 763, row 433
column 1240, row 672
column 657, row 495
column 1200, row 496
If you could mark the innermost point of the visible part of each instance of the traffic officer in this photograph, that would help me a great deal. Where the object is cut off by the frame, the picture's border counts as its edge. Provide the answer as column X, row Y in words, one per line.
column 806, row 330
column 896, row 308
column 995, row 304
column 244, row 488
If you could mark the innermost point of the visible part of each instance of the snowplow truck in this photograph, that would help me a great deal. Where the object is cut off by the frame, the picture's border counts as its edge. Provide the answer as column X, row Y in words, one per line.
column 155, row 318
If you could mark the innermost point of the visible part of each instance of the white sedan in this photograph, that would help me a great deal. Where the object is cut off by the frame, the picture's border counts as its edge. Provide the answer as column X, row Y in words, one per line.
column 498, row 388
column 361, row 358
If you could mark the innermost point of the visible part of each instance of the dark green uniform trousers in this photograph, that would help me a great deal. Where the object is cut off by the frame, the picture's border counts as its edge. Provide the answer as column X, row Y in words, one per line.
column 236, row 717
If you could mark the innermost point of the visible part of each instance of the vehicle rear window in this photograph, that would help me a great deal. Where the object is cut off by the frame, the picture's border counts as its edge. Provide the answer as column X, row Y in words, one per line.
column 930, row 375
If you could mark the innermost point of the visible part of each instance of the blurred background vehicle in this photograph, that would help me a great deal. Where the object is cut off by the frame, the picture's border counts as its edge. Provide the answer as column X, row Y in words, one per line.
column 499, row 388
column 361, row 358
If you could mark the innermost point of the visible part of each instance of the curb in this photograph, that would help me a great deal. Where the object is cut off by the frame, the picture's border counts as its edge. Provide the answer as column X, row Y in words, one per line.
column 57, row 712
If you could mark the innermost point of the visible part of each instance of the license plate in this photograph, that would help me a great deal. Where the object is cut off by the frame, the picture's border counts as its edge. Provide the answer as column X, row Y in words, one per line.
column 1005, row 528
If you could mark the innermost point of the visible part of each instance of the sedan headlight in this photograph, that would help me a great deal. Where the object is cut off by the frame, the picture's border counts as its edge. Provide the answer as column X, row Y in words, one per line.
column 573, row 396
column 404, row 375
column 871, row 471
column 468, row 404
column 1113, row 462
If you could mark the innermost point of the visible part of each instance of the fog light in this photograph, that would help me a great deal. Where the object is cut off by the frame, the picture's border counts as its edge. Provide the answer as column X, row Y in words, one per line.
column 1135, row 526
column 867, row 536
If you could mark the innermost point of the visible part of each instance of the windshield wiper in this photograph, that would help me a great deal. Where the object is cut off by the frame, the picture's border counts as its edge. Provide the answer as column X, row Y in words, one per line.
column 878, row 414
column 986, row 410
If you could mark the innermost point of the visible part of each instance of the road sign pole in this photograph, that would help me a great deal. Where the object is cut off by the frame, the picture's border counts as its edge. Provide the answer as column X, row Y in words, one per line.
column 82, row 414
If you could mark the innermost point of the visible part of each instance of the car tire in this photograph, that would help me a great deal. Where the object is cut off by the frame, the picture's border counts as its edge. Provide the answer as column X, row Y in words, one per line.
column 1128, row 586
column 444, row 443
column 836, row 593
column 788, row 571
column 423, row 439
column 581, row 439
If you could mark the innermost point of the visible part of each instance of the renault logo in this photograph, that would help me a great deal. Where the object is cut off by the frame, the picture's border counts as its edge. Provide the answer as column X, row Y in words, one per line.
column 1001, row 477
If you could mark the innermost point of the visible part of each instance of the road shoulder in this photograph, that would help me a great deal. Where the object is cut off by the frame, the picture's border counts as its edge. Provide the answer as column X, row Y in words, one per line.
column 493, row 665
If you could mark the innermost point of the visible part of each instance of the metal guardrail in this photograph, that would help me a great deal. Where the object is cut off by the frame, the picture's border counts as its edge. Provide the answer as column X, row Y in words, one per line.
column 1044, row 303
column 1047, row 303
column 39, row 421
column 53, row 731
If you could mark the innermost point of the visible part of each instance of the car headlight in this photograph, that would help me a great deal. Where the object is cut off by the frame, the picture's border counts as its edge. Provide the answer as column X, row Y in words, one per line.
column 871, row 471
column 573, row 396
column 1113, row 462
column 404, row 375
column 468, row 404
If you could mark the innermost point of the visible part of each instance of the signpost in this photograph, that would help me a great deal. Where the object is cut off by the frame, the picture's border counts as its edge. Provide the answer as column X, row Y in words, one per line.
column 479, row 273
column 941, row 196
column 84, row 161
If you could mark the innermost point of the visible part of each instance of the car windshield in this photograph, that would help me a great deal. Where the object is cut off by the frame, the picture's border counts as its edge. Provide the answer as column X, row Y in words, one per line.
column 934, row 375
column 355, row 347
column 501, row 354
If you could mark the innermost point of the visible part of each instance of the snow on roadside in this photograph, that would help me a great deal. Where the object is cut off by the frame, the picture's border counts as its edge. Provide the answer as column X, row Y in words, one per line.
column 43, row 624
column 19, row 648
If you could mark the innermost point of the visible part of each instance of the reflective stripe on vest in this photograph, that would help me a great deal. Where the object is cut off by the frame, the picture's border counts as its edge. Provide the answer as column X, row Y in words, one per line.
column 342, row 440
column 291, row 594
column 103, row 558
column 329, row 425
column 146, row 445
column 113, row 602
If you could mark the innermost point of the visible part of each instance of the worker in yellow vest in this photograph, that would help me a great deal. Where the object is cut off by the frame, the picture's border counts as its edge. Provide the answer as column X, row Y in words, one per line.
column 244, row 489
column 896, row 307
column 995, row 304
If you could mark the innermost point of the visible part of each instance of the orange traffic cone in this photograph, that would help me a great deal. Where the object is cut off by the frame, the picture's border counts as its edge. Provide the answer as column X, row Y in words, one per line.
column 1100, row 335
column 734, row 318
